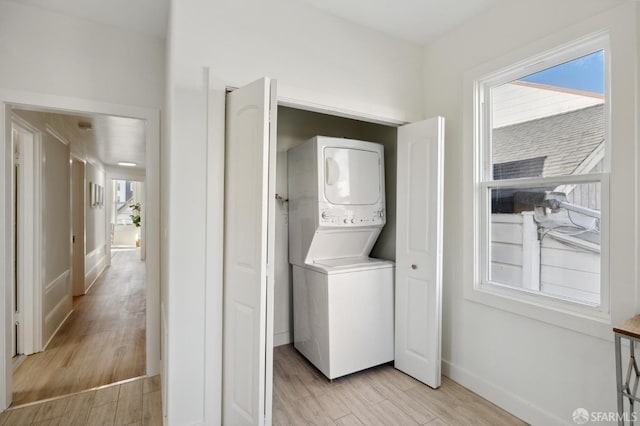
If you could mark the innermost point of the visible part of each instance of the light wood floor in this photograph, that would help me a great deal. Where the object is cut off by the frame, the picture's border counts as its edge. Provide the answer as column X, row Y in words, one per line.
column 138, row 402
column 378, row 396
column 102, row 342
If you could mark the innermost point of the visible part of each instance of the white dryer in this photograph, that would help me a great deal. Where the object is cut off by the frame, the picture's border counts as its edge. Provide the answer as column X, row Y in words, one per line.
column 343, row 300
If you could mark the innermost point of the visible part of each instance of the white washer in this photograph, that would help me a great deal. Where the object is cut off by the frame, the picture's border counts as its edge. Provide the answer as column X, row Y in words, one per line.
column 343, row 314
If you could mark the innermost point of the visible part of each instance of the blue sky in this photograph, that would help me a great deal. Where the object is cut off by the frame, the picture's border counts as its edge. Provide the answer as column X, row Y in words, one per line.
column 585, row 73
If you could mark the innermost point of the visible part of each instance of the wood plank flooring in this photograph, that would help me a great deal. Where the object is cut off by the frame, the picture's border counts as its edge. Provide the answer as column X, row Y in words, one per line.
column 102, row 342
column 377, row 396
column 137, row 402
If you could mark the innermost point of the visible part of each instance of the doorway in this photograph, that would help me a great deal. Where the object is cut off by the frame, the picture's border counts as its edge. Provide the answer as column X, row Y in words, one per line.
column 413, row 163
column 19, row 137
column 17, row 281
column 249, row 253
column 295, row 126
column 25, row 250
column 78, row 247
column 81, row 299
column 125, row 210
column 53, row 104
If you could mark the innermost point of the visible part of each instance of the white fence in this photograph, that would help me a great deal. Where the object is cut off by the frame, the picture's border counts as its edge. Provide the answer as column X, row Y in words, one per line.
column 520, row 259
column 125, row 235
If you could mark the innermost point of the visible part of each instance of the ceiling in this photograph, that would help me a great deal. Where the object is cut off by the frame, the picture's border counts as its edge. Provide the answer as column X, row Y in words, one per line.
column 147, row 17
column 107, row 139
column 417, row 21
column 114, row 139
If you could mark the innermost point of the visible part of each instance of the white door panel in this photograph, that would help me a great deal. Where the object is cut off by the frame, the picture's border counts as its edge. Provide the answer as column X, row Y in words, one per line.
column 248, row 236
column 419, row 250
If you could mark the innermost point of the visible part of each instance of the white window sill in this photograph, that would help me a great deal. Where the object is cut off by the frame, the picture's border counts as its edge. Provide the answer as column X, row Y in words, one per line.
column 578, row 317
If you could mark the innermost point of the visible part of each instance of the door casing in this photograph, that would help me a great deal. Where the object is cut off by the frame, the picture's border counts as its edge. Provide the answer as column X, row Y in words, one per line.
column 152, row 155
column 28, row 236
column 78, row 249
column 218, row 306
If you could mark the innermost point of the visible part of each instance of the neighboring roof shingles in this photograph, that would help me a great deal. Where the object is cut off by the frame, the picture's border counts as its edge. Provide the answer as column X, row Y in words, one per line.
column 564, row 139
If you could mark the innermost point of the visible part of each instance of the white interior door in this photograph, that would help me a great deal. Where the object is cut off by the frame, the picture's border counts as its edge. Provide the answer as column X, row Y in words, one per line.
column 17, row 245
column 249, row 238
column 77, row 220
column 419, row 250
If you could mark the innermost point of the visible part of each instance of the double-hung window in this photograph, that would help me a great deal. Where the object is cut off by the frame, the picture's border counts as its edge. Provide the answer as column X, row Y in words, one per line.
column 541, row 139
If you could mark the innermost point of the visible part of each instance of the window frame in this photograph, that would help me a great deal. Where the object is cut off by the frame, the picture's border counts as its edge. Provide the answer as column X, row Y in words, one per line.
column 503, row 295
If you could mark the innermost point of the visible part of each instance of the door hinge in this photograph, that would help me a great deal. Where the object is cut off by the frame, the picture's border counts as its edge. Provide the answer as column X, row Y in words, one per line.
column 16, row 159
column 17, row 318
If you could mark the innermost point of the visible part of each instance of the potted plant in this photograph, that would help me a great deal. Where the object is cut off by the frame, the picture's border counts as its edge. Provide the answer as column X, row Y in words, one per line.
column 136, row 219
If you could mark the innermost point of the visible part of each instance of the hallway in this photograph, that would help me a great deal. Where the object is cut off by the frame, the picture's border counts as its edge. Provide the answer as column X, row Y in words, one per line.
column 102, row 341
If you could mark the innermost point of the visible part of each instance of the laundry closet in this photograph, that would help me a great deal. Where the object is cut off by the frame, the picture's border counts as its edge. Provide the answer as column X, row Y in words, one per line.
column 295, row 127
column 259, row 304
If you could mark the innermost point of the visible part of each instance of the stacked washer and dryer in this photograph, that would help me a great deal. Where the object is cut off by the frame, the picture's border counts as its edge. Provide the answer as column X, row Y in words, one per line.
column 343, row 300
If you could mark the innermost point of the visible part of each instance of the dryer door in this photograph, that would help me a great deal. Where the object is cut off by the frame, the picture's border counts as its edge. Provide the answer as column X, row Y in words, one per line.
column 352, row 176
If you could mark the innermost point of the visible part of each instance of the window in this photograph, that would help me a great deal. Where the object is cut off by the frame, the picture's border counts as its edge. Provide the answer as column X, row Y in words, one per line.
column 541, row 141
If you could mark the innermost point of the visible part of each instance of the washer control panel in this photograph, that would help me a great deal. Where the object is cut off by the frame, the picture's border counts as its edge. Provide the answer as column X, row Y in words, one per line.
column 352, row 217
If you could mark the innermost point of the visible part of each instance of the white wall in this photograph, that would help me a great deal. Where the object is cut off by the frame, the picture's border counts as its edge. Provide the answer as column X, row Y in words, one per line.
column 95, row 226
column 315, row 58
column 534, row 369
column 56, row 234
column 95, row 216
column 46, row 52
column 294, row 128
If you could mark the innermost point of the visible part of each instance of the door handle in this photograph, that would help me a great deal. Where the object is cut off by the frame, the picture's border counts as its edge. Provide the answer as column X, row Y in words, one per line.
column 332, row 171
column 414, row 266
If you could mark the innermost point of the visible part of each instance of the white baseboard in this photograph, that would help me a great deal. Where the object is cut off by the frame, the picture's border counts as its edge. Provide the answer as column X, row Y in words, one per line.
column 94, row 272
column 56, row 308
column 44, row 347
column 164, row 366
column 501, row 397
column 280, row 339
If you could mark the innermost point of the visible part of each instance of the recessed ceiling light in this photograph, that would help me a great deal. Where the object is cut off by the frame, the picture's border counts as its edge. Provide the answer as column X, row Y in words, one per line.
column 126, row 164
